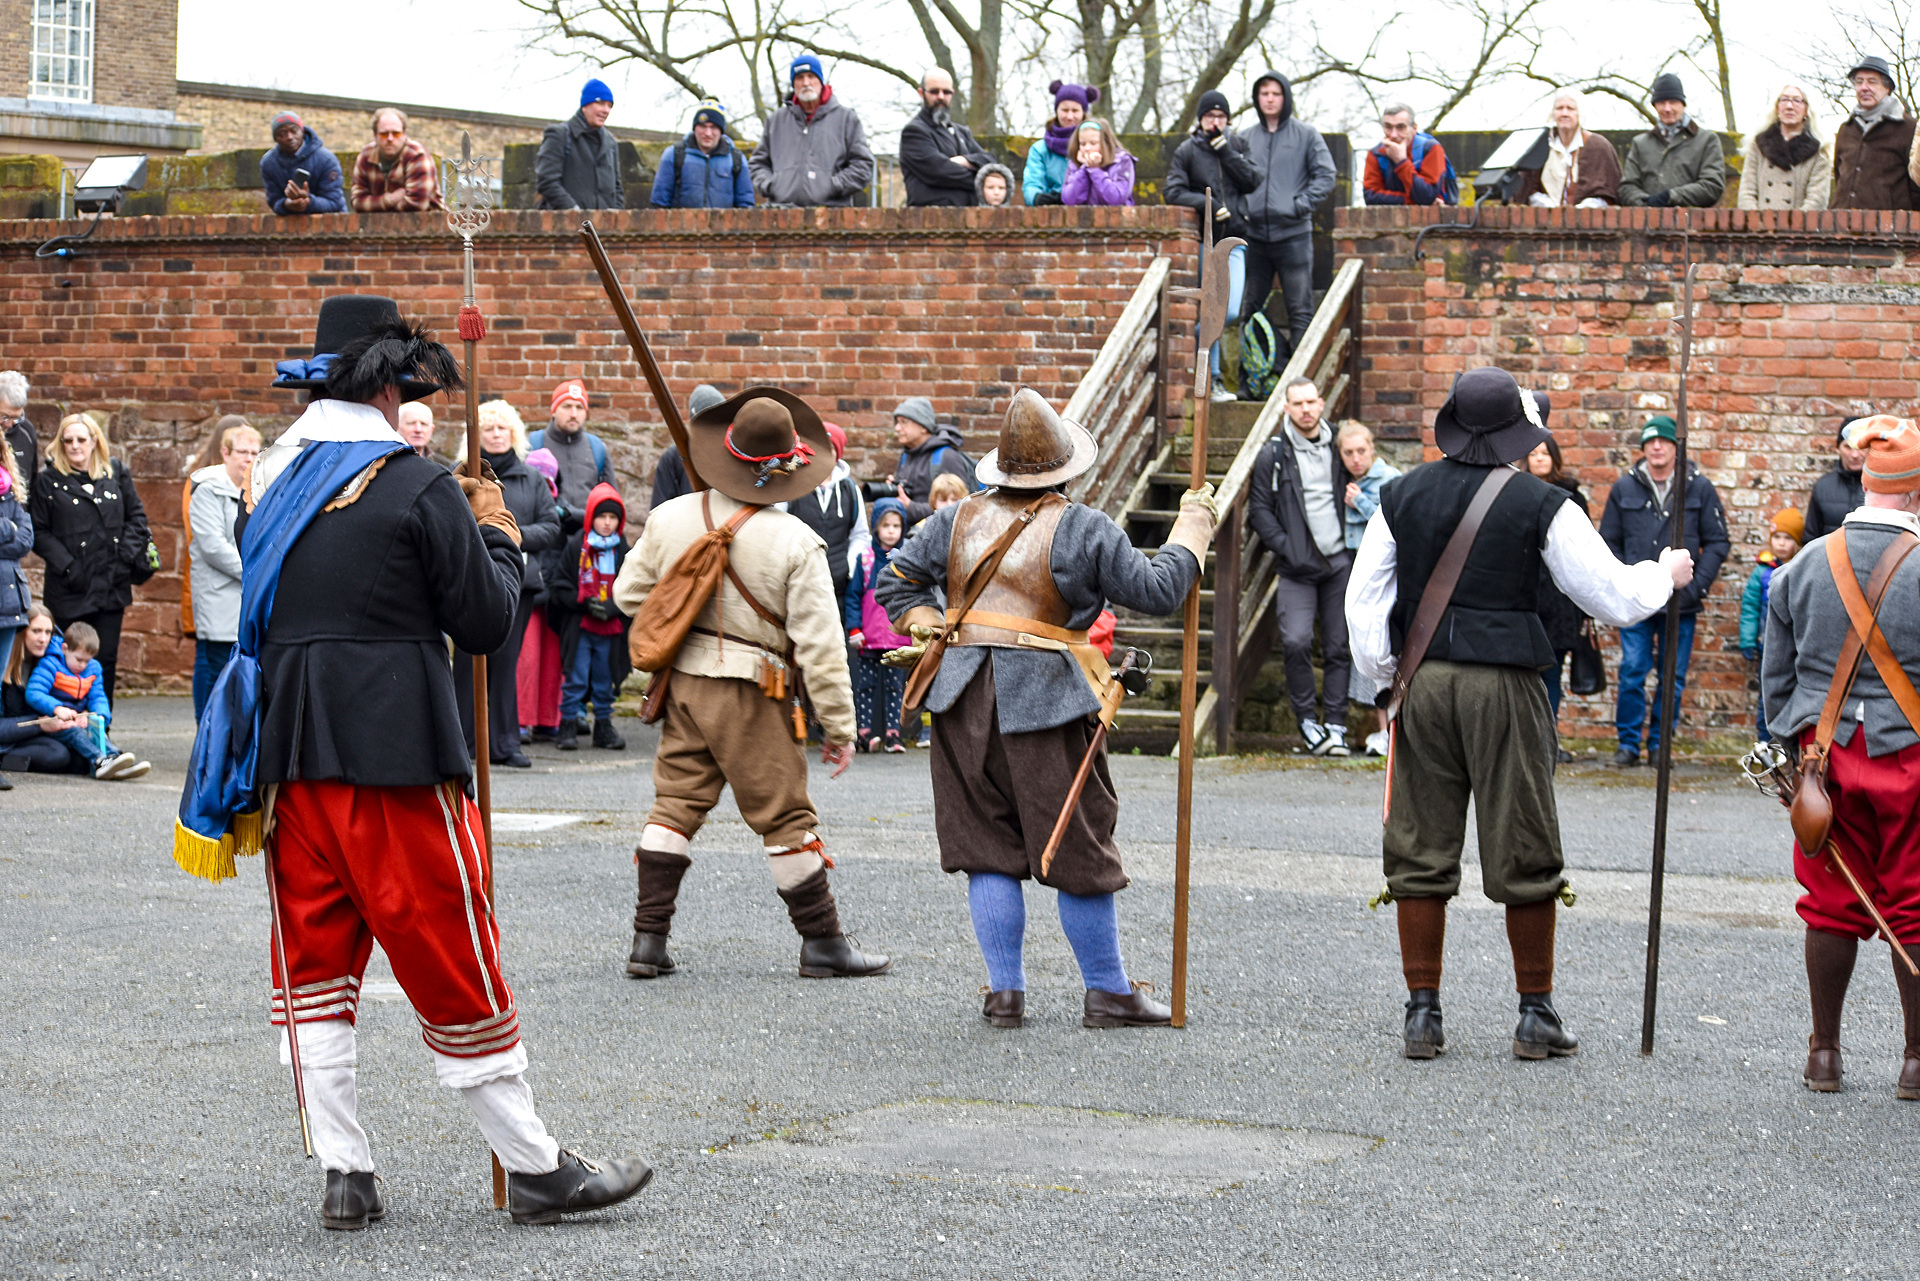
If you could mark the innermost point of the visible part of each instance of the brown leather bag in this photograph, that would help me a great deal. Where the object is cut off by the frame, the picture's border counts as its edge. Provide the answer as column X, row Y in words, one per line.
column 1438, row 593
column 921, row 678
column 667, row 614
column 1811, row 811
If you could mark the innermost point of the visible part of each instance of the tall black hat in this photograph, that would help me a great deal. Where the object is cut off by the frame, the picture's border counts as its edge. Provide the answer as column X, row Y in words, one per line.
column 344, row 319
column 1488, row 420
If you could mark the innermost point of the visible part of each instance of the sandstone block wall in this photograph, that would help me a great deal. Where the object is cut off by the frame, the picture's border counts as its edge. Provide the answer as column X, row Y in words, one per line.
column 164, row 323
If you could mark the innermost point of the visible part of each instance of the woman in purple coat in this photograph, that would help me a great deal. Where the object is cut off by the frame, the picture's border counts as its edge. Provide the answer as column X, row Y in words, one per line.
column 1102, row 171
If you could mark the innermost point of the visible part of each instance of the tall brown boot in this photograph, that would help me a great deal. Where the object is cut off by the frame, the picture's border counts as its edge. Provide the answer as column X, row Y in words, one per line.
column 1830, row 960
column 660, row 873
column 1423, row 933
column 825, row 951
column 1908, row 1086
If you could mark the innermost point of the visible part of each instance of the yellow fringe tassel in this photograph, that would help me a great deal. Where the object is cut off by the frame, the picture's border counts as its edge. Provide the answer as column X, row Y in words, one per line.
column 213, row 860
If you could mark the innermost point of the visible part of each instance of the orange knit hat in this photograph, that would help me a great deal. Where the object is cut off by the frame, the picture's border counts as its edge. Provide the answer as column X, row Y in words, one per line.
column 1893, row 454
column 1790, row 522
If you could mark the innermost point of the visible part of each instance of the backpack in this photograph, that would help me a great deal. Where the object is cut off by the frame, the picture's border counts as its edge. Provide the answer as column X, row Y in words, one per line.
column 680, row 158
column 933, row 467
column 1258, row 349
column 1449, row 181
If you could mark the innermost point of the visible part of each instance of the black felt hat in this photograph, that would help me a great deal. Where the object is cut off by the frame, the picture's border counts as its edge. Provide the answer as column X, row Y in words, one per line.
column 1488, row 420
column 344, row 318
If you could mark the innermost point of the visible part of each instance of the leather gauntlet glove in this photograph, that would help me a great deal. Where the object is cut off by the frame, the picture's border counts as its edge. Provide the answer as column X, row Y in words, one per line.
column 1193, row 528
column 489, row 507
column 908, row 655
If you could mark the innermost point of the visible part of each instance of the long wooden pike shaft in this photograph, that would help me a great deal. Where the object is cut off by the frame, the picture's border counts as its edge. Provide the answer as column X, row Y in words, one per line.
column 286, row 1001
column 642, row 351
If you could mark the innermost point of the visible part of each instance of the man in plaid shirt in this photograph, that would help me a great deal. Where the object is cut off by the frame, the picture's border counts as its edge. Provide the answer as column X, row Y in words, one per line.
column 394, row 172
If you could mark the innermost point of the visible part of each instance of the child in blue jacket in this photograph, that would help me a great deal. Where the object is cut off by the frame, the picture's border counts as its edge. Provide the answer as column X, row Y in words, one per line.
column 1365, row 474
column 1783, row 542
column 70, row 685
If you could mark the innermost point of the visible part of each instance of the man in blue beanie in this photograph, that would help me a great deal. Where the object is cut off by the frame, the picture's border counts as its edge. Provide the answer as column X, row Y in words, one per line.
column 579, row 162
column 813, row 150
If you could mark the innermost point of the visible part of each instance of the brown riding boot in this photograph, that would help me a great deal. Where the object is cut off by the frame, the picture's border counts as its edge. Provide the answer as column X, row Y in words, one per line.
column 1908, row 1086
column 660, row 873
column 1830, row 960
column 1423, row 933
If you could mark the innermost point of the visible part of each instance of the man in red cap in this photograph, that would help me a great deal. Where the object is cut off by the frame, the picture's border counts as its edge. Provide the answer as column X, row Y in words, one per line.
column 1871, row 740
column 581, row 454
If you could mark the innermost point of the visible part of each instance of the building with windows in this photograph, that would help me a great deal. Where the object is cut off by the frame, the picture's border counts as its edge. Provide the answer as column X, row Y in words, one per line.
column 80, row 78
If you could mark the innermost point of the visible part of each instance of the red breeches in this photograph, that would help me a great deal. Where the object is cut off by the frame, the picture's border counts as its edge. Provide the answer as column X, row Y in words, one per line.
column 1876, row 824
column 404, row 867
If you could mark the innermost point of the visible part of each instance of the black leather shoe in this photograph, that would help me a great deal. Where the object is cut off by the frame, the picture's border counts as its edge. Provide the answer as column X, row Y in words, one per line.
column 1540, row 1033
column 577, row 1186
column 1005, row 1009
column 1626, row 757
column 515, row 760
column 838, row 958
column 1135, row 1009
column 650, row 959
column 1423, row 1034
column 353, row 1198
column 605, row 735
column 566, row 738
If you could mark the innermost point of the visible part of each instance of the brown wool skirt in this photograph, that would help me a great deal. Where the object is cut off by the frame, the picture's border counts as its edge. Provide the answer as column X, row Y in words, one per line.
column 996, row 797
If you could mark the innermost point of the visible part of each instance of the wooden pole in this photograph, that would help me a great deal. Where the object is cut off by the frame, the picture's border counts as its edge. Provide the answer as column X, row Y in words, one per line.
column 642, row 350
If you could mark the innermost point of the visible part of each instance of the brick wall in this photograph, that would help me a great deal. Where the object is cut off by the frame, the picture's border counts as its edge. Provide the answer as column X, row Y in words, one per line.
column 166, row 323
column 1803, row 319
column 16, row 34
column 135, row 53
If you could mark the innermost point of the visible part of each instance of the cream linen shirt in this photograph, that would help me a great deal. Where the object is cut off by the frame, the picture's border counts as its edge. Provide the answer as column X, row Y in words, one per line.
column 784, row 565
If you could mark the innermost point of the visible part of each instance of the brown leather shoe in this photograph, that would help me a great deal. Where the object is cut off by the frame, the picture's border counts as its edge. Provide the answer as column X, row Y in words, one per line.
column 1135, row 1009
column 1823, row 1068
column 1005, row 1009
column 1908, row 1086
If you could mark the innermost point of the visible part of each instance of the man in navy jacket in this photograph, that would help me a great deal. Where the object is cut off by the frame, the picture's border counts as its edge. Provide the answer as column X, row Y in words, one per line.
column 704, row 170
column 297, row 147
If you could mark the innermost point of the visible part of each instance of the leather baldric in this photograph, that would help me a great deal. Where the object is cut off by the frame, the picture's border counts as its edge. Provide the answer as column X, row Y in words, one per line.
column 1811, row 811
column 1438, row 593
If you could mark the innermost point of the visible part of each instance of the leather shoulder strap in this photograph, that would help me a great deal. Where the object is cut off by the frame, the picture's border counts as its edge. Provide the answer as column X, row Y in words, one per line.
column 1863, row 611
column 1438, row 593
column 983, row 571
column 732, row 527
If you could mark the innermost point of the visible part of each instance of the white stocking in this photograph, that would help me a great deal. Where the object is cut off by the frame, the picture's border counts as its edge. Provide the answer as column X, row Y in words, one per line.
column 327, row 1058
column 793, row 864
column 504, row 1109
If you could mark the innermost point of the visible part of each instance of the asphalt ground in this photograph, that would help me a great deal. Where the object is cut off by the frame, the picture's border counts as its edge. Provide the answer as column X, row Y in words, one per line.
column 878, row 1128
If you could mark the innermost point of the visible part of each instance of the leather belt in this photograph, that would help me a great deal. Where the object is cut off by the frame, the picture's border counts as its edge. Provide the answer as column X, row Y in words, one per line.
column 984, row 627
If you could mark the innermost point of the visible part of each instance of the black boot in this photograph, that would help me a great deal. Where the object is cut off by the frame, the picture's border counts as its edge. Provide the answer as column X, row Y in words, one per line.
column 566, row 738
column 650, row 959
column 605, row 735
column 1005, row 1009
column 1424, row 1036
column 577, row 1186
column 353, row 1198
column 838, row 958
column 1539, row 1033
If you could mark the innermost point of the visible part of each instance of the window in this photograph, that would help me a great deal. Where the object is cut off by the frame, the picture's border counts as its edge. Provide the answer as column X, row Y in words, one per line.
column 62, row 50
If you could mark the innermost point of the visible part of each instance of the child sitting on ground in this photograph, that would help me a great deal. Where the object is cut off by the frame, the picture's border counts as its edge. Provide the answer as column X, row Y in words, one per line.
column 877, row 688
column 593, row 631
column 1365, row 474
column 69, row 677
column 1783, row 542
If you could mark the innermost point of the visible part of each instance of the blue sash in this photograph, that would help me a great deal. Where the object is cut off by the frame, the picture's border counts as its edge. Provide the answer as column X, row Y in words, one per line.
column 219, row 811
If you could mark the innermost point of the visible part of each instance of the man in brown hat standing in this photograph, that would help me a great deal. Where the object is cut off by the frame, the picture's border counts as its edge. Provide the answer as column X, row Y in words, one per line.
column 1019, row 692
column 1873, row 761
column 724, row 724
column 1471, row 717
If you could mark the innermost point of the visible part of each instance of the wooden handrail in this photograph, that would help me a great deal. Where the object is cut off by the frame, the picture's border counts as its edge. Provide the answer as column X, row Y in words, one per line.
column 1127, row 330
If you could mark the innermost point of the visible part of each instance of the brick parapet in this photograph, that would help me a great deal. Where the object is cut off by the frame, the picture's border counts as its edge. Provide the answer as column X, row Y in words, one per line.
column 1802, row 319
column 164, row 323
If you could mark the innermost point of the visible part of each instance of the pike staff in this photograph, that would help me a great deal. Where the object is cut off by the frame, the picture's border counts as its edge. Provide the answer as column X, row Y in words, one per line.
column 642, row 350
column 1669, row 711
column 1214, row 292
column 468, row 213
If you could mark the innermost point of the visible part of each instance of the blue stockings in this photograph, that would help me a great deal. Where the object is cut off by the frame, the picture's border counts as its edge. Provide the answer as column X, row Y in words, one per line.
column 1090, row 922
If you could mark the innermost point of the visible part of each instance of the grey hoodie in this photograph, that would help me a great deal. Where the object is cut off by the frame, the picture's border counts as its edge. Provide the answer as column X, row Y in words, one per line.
column 822, row 161
column 1296, row 167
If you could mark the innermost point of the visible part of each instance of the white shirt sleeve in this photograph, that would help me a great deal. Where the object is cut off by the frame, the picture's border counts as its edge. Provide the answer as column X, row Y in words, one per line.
column 862, row 536
column 1592, row 576
column 1372, row 586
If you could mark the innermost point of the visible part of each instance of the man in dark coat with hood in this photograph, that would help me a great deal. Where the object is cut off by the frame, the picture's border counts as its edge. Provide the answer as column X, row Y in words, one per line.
column 1840, row 490
column 578, row 165
column 927, row 449
column 938, row 156
column 1471, row 718
column 297, row 147
column 1296, row 173
column 1214, row 158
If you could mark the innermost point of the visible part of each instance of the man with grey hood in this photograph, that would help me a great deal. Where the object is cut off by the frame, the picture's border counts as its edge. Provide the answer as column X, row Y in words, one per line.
column 813, row 150
column 927, row 449
column 1296, row 175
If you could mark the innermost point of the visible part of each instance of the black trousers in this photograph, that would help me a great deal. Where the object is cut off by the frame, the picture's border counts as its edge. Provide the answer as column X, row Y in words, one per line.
column 1292, row 261
column 503, row 689
column 107, row 623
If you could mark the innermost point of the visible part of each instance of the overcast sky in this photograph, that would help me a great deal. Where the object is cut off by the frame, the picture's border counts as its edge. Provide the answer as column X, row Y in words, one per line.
column 474, row 55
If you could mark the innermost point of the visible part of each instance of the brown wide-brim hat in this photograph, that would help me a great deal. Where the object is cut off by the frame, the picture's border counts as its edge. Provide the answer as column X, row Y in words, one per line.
column 765, row 424
column 1038, row 448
